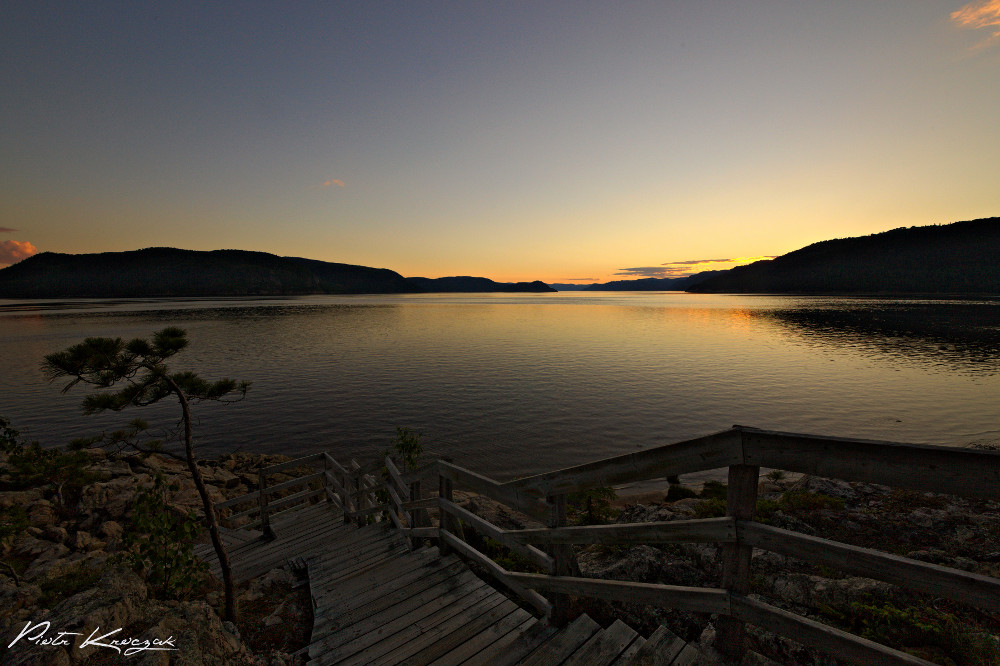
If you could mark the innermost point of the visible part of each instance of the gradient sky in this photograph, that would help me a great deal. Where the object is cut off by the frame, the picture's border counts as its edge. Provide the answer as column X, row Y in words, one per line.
column 512, row 140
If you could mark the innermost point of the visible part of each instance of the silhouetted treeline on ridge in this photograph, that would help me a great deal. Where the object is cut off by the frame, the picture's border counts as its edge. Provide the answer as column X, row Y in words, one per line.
column 164, row 271
column 958, row 258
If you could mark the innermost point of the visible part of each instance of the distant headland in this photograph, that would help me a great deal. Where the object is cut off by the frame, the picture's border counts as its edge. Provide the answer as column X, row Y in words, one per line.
column 957, row 258
column 165, row 271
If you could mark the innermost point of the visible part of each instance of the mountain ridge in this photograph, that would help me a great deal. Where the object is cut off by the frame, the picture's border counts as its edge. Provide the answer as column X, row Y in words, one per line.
column 165, row 272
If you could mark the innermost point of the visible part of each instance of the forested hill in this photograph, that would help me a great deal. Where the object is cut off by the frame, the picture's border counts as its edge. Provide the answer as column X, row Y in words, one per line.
column 959, row 258
column 467, row 284
column 162, row 271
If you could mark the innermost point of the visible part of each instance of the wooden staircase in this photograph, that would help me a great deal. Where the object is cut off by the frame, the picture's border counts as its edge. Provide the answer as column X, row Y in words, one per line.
column 377, row 602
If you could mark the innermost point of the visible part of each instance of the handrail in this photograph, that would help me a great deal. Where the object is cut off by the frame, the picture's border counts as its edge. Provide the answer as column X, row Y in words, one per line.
column 744, row 450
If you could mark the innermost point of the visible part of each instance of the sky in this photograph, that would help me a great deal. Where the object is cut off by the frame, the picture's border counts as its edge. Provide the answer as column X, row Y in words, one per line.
column 562, row 141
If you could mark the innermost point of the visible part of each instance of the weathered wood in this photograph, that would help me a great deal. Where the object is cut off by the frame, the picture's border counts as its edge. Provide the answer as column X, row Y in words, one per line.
column 563, row 561
column 344, row 493
column 421, row 532
column 837, row 643
column 490, row 488
column 489, row 529
column 297, row 497
column 397, row 478
column 265, row 519
column 914, row 575
column 361, row 513
column 939, row 469
column 292, row 483
column 741, row 501
column 695, row 599
column 335, row 465
column 710, row 452
column 488, row 656
column 564, row 643
column 250, row 497
column 445, row 520
column 705, row 530
column 403, row 654
column 425, row 503
column 526, row 642
column 298, row 462
column 660, row 649
column 604, row 647
column 499, row 573
column 469, row 640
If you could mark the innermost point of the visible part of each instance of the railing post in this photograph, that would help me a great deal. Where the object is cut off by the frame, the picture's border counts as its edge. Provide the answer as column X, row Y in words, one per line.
column 360, row 502
column 348, row 504
column 564, row 558
column 741, row 501
column 445, row 519
column 416, row 515
column 265, row 519
column 326, row 481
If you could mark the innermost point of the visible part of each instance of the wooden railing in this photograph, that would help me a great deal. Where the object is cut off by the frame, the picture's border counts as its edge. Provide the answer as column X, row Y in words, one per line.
column 743, row 450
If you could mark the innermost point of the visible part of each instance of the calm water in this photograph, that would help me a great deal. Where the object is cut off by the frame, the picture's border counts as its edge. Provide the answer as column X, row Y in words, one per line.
column 512, row 384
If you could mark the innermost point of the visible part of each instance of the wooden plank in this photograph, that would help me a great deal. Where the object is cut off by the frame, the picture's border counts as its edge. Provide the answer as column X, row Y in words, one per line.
column 335, row 465
column 914, row 575
column 707, row 530
column 688, row 656
column 489, row 529
column 405, row 652
column 394, row 474
column 421, row 532
column 394, row 623
column 369, row 510
column 629, row 653
column 365, row 605
column 488, row 656
column 741, row 501
column 604, row 647
column 502, row 575
column 398, row 572
column 512, row 497
column 403, row 633
column 721, row 449
column 292, row 483
column 476, row 635
column 939, row 469
column 524, row 644
column 426, row 503
column 660, row 649
column 564, row 643
column 696, row 599
column 251, row 497
column 297, row 497
column 835, row 642
column 298, row 462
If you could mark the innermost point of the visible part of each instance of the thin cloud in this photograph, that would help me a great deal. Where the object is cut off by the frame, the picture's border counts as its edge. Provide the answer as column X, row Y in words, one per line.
column 978, row 15
column 330, row 183
column 647, row 272
column 12, row 251
column 691, row 262
column 7, row 230
column 590, row 279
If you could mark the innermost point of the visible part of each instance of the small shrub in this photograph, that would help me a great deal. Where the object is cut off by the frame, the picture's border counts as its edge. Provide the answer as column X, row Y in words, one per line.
column 679, row 492
column 803, row 500
column 591, row 506
column 161, row 545
column 711, row 508
column 714, row 490
column 31, row 466
column 67, row 582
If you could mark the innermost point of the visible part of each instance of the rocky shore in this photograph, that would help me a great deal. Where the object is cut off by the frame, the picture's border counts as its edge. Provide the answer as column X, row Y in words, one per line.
column 62, row 564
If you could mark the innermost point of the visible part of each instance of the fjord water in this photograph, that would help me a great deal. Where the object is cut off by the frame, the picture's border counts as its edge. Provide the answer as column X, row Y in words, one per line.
column 510, row 384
